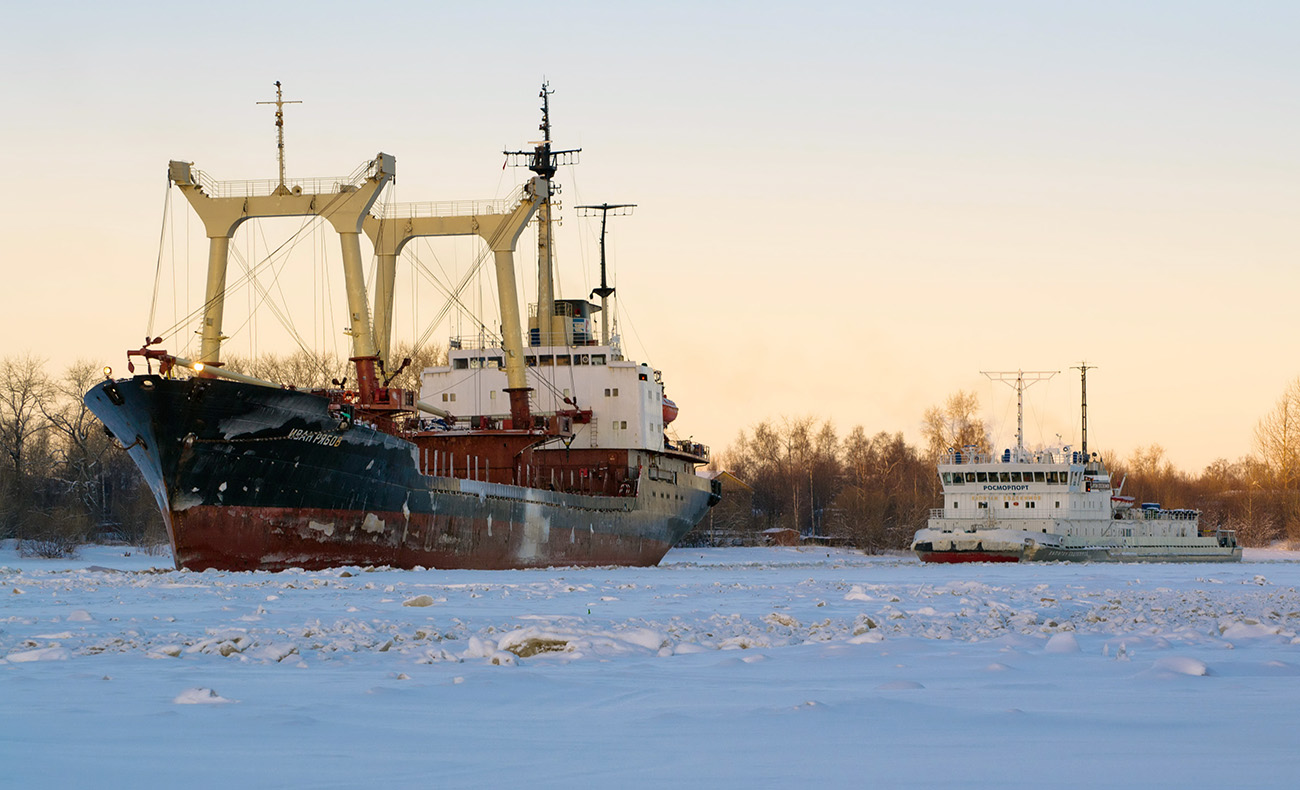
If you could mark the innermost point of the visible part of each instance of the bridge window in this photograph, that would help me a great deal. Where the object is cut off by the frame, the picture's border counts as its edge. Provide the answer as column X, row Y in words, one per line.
column 460, row 364
column 970, row 477
column 597, row 359
column 1039, row 477
column 981, row 477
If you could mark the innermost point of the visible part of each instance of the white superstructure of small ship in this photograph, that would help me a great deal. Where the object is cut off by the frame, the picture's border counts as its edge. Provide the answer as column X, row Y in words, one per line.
column 1055, row 504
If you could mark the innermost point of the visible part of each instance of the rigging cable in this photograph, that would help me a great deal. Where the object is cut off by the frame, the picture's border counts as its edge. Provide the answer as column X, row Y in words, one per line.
column 157, row 277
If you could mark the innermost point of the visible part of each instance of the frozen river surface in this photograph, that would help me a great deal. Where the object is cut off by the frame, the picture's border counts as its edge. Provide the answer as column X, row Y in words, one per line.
column 720, row 668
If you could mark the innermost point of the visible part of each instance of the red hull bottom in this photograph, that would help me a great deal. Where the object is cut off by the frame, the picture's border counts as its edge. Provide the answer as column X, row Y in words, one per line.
column 967, row 556
column 272, row 539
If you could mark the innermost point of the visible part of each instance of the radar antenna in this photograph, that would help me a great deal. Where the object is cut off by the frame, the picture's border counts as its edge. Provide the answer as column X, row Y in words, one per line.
column 279, row 132
column 544, row 161
column 604, row 291
column 1020, row 379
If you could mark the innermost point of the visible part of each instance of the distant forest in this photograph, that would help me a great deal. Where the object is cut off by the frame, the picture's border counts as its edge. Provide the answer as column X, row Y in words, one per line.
column 64, row 481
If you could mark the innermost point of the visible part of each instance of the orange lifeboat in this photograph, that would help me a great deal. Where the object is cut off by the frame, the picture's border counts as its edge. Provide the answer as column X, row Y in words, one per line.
column 670, row 411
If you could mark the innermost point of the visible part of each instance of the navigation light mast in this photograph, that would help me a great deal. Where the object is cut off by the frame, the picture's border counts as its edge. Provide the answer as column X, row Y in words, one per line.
column 279, row 132
column 1083, row 368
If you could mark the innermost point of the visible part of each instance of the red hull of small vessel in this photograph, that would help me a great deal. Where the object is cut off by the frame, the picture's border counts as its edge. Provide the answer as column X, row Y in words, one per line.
column 968, row 556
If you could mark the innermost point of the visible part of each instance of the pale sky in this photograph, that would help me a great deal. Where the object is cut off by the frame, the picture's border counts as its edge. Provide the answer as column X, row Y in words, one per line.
column 845, row 210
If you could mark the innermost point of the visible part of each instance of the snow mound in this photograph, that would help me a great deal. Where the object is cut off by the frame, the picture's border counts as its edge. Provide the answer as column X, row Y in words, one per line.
column 780, row 619
column 857, row 594
column 647, row 638
column 276, row 651
column 41, row 654
column 79, row 616
column 1182, row 665
column 867, row 638
column 200, row 696
column 528, row 642
column 743, row 642
column 1247, row 630
column 419, row 600
column 1062, row 643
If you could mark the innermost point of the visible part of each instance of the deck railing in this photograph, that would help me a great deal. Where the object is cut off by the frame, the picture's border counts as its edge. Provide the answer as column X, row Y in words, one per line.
column 954, row 456
column 264, row 187
column 450, row 208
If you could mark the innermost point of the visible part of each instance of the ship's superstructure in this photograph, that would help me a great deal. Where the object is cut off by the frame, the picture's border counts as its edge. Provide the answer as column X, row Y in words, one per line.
column 514, row 455
column 1055, row 504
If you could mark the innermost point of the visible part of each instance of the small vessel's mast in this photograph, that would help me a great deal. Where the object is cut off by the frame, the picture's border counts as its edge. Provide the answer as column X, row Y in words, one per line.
column 1020, row 379
column 279, row 131
column 544, row 161
column 604, row 291
column 1083, row 368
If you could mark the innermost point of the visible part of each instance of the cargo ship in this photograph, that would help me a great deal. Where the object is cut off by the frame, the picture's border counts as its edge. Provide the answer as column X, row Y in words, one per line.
column 1055, row 504
column 496, row 463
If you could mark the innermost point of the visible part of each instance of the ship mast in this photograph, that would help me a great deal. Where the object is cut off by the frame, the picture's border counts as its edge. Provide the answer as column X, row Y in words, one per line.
column 544, row 161
column 604, row 291
column 1083, row 368
column 1020, row 379
column 279, row 132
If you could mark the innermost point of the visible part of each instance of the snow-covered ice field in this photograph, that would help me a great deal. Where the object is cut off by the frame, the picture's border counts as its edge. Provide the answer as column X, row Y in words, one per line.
column 720, row 668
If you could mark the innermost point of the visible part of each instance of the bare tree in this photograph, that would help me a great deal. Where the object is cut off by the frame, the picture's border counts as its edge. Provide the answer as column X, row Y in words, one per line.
column 23, row 386
column 888, row 490
column 425, row 357
column 301, row 369
column 954, row 425
column 1277, row 444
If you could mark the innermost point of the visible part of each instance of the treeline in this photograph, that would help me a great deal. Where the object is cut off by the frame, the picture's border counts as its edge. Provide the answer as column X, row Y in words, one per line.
column 874, row 491
column 311, row 370
column 63, row 480
column 868, row 491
